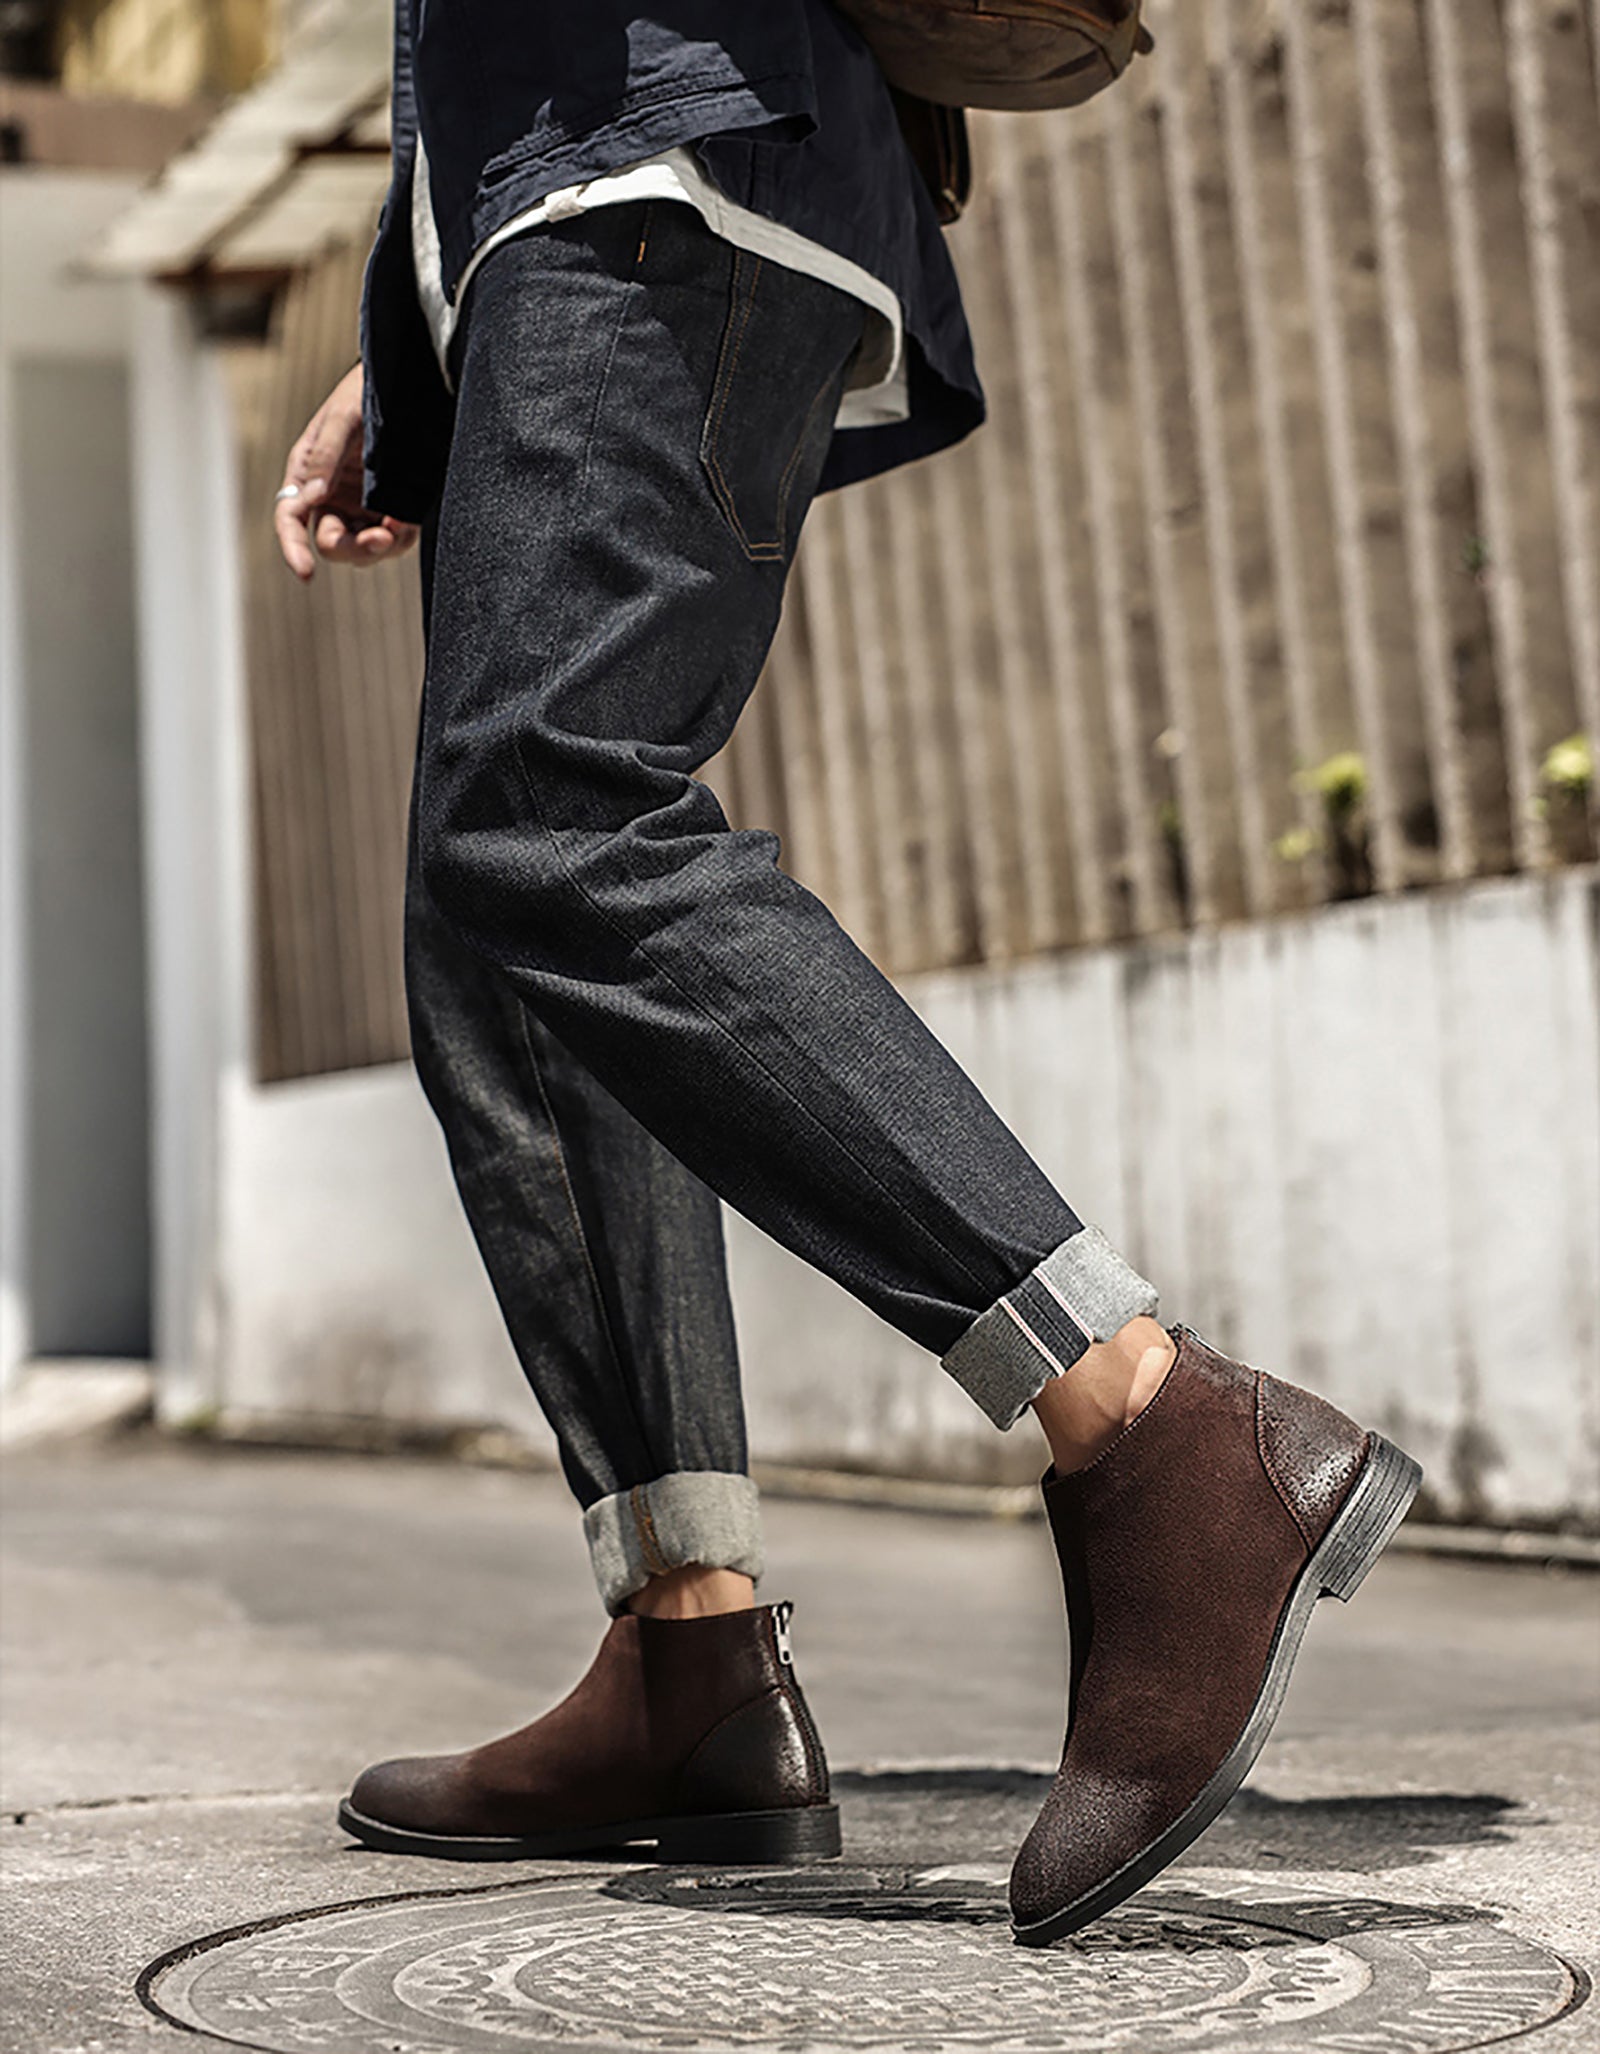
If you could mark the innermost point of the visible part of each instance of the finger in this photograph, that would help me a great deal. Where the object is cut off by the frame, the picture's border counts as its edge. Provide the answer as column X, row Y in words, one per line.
column 330, row 531
column 291, row 521
column 367, row 546
column 340, row 540
column 406, row 535
column 385, row 541
column 321, row 449
column 347, row 548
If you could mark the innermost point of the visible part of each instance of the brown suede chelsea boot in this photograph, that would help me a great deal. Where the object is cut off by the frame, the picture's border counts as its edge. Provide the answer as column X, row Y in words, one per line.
column 1192, row 1551
column 690, row 1733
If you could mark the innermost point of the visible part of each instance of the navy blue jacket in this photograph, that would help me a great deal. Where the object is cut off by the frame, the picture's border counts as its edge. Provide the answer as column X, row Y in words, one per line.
column 783, row 103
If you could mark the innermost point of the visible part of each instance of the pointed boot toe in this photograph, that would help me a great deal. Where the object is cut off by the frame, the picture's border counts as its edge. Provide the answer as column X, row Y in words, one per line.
column 1087, row 1829
column 415, row 1794
column 1192, row 1552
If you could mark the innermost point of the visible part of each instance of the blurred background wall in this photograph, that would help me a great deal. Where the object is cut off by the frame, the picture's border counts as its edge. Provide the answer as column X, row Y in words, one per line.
column 1209, row 753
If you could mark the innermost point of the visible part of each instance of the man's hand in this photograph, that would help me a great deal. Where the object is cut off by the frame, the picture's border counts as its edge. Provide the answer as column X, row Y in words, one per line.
column 319, row 510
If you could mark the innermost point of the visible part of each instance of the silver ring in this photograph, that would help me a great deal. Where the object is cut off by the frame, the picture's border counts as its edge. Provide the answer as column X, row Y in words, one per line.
column 285, row 492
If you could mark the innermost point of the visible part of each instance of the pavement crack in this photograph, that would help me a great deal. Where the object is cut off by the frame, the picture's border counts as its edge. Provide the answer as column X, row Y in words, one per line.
column 71, row 1805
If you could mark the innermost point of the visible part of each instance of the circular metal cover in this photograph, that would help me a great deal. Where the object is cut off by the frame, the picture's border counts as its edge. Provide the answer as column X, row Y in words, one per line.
column 888, row 1957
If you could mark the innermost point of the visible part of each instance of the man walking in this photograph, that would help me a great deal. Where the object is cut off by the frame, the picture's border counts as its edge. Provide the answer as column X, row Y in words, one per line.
column 646, row 282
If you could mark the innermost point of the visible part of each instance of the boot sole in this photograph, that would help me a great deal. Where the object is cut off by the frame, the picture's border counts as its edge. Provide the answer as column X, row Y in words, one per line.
column 1361, row 1530
column 804, row 1834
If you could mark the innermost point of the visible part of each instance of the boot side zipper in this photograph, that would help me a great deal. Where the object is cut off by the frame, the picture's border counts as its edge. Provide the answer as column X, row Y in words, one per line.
column 810, row 1738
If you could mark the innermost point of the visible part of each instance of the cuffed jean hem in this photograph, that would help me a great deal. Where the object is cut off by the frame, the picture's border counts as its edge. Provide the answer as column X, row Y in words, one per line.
column 694, row 1515
column 1082, row 1292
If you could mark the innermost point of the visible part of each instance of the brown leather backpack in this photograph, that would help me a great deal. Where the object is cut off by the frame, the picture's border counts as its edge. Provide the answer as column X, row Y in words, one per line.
column 1001, row 53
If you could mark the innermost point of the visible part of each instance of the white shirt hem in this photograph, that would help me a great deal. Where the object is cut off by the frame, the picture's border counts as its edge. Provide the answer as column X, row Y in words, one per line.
column 877, row 393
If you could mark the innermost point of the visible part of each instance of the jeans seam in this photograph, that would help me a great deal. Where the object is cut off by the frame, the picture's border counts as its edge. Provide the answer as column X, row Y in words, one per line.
column 786, row 483
column 650, row 1548
column 579, row 1229
column 777, row 549
column 758, row 552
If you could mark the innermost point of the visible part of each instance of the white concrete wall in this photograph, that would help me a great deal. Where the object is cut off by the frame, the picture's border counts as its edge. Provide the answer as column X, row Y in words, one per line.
column 1360, row 1146
column 88, row 1266
column 349, row 1274
column 57, row 325
column 197, row 839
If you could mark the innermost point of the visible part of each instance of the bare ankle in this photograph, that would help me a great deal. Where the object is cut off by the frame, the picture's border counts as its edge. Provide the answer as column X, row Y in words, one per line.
column 693, row 1592
column 1105, row 1391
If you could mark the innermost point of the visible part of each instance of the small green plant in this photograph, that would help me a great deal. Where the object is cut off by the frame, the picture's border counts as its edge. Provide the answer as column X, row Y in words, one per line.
column 1340, row 785
column 1475, row 556
column 1566, row 790
column 1568, row 768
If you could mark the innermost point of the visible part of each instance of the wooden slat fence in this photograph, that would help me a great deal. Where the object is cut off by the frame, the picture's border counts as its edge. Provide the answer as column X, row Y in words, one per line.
column 1274, row 578
column 1276, row 574
column 334, row 674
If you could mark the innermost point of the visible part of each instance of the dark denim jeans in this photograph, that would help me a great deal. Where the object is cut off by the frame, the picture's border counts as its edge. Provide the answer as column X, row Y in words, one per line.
column 620, row 1005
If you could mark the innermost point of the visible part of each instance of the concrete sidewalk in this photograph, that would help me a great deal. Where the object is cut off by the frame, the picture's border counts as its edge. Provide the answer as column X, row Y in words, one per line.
column 202, row 1645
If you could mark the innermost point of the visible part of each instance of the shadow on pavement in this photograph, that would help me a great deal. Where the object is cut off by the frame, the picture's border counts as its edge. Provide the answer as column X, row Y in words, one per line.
column 1189, row 1922
column 1359, row 1834
column 981, row 1814
column 965, row 1814
column 934, row 1845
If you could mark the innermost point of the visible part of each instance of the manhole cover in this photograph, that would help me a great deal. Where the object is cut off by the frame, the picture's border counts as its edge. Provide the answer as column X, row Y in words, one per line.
column 885, row 1957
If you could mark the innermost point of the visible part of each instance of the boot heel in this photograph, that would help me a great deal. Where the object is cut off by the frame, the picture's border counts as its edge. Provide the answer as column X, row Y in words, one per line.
column 808, row 1832
column 1366, row 1522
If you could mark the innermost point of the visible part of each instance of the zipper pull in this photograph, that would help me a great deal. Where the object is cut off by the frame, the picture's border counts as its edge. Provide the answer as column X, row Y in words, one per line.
column 782, row 1613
